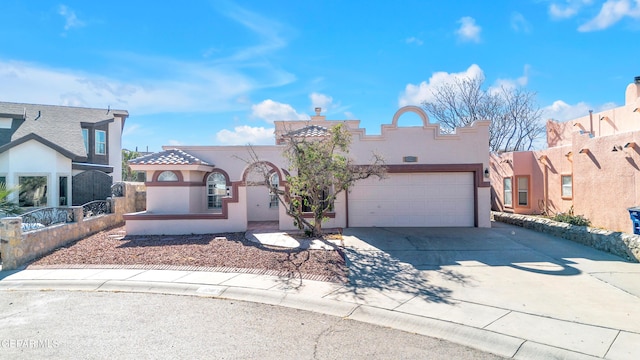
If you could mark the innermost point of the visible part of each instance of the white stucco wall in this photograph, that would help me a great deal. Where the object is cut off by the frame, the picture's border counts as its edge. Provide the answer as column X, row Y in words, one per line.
column 115, row 148
column 32, row 158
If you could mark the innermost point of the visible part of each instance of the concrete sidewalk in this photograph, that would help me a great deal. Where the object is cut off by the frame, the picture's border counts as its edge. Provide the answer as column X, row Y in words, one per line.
column 505, row 290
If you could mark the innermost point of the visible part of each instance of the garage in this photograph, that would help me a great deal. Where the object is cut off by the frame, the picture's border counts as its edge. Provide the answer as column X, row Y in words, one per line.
column 438, row 199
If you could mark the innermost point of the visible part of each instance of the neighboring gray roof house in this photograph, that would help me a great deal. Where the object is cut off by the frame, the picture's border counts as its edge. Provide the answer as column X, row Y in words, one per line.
column 68, row 130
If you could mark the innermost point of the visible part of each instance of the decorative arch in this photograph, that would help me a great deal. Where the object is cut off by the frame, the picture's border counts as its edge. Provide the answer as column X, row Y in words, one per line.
column 410, row 108
column 271, row 165
column 217, row 170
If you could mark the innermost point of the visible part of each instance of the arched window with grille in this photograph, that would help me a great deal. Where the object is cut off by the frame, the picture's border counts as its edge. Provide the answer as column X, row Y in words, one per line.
column 216, row 190
column 167, row 176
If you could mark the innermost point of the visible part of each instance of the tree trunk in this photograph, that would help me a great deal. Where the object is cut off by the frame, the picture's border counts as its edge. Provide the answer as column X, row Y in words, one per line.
column 317, row 226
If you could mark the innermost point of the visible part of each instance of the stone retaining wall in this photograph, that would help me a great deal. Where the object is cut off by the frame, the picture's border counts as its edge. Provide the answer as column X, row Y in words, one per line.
column 18, row 248
column 624, row 245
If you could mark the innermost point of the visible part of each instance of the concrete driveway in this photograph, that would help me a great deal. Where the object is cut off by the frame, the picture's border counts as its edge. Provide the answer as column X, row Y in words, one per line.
column 504, row 279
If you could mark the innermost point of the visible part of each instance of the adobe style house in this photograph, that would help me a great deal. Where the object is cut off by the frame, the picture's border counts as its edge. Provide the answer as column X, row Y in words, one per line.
column 591, row 165
column 433, row 179
column 60, row 155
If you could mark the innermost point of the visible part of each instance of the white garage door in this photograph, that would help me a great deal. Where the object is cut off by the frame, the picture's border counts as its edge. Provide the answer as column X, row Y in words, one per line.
column 421, row 199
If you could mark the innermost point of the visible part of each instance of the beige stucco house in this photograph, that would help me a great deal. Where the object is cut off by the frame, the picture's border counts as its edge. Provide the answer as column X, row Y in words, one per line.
column 434, row 179
column 591, row 165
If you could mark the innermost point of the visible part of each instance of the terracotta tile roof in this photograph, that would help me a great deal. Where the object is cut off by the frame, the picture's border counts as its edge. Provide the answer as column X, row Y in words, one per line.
column 168, row 157
column 310, row 131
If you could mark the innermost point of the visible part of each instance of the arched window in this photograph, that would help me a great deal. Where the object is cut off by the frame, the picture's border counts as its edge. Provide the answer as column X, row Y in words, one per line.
column 167, row 176
column 273, row 198
column 216, row 190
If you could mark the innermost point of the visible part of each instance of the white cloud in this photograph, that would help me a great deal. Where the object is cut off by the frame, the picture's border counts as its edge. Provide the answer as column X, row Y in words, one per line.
column 512, row 83
column 175, row 142
column 567, row 10
column 611, row 12
column 271, row 111
column 131, row 129
column 186, row 87
column 416, row 94
column 561, row 111
column 71, row 20
column 350, row 116
column 243, row 135
column 321, row 100
column 468, row 30
column 169, row 85
column 414, row 40
column 519, row 23
column 267, row 29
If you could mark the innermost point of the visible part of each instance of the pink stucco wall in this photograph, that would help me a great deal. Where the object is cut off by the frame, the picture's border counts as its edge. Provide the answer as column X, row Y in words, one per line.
column 605, row 182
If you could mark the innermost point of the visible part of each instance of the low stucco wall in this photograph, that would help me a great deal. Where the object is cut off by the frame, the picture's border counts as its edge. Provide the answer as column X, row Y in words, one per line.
column 622, row 244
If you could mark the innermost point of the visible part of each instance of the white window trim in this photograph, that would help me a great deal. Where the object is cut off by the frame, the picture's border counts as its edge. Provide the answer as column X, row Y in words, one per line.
column 98, row 143
column 17, row 177
column 570, row 186
column 216, row 199
column 504, row 192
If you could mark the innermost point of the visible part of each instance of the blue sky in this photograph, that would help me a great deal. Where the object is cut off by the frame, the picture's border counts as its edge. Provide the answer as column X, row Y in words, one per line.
column 219, row 72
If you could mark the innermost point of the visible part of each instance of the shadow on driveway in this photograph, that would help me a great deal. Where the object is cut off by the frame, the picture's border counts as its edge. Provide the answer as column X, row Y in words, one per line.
column 394, row 259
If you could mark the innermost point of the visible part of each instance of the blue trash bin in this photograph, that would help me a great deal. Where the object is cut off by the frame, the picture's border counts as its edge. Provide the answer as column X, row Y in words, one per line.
column 634, row 213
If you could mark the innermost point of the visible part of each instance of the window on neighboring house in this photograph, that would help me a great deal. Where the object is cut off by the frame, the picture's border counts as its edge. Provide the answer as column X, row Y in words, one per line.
column 33, row 191
column 62, row 191
column 567, row 186
column 508, row 192
column 85, row 138
column 101, row 142
column 3, row 181
column 167, row 176
column 273, row 198
column 216, row 190
column 523, row 190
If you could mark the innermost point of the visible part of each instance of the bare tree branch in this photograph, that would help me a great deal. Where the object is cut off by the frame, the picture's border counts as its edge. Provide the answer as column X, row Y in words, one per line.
column 515, row 118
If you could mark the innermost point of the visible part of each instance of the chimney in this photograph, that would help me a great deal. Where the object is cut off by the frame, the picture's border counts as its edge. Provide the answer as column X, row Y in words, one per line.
column 318, row 117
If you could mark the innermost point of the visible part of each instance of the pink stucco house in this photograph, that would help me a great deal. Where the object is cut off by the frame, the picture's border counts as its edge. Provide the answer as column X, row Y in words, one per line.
column 434, row 179
column 592, row 164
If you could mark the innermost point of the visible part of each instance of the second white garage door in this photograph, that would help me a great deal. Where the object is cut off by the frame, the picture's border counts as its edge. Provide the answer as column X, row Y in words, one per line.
column 412, row 200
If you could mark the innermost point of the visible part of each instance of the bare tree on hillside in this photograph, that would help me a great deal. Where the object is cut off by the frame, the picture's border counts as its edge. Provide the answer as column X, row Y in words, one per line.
column 514, row 115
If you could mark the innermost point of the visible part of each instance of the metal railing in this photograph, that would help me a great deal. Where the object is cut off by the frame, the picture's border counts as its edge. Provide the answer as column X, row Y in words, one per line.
column 95, row 208
column 44, row 217
column 117, row 189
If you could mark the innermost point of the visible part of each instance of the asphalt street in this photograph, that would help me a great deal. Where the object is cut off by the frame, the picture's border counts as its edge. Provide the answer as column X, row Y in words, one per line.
column 107, row 325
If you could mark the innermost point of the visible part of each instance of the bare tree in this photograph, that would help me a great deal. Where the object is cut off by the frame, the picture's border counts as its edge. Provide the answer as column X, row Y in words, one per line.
column 319, row 170
column 515, row 118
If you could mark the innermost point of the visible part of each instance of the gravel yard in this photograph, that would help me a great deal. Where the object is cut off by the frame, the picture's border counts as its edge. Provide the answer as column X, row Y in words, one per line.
column 219, row 252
